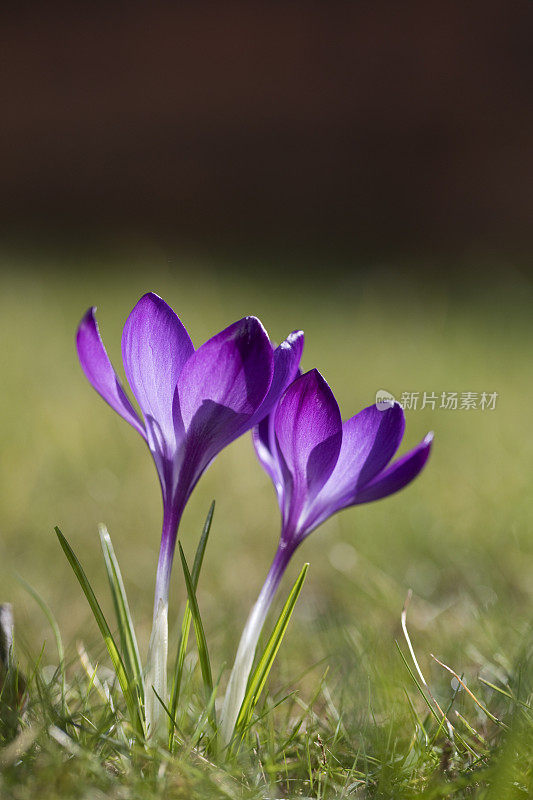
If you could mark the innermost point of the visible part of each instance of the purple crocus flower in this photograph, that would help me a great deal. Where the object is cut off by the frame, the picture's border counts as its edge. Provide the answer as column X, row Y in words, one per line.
column 318, row 465
column 193, row 403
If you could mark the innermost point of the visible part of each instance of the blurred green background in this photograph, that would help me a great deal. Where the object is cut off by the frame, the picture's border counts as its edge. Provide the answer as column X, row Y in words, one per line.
column 460, row 536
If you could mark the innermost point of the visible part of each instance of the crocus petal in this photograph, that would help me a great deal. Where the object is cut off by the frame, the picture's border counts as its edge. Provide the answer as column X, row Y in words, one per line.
column 286, row 366
column 398, row 475
column 263, row 438
column 308, row 432
column 221, row 387
column 99, row 370
column 369, row 441
column 287, row 357
column 155, row 346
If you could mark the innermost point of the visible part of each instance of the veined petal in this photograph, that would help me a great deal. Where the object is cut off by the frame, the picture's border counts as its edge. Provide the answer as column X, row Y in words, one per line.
column 369, row 441
column 287, row 357
column 155, row 346
column 308, row 432
column 99, row 370
column 221, row 387
column 398, row 475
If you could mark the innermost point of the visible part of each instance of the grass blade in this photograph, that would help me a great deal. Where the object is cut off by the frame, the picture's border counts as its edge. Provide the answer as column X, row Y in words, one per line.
column 202, row 720
column 110, row 644
column 200, row 550
column 201, row 642
column 260, row 674
column 45, row 608
column 457, row 736
column 186, row 624
column 130, row 649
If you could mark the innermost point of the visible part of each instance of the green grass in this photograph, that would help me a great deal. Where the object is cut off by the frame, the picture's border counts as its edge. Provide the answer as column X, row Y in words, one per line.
column 354, row 722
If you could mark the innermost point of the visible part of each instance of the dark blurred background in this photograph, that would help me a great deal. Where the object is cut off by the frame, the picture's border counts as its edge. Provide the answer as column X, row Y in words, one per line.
column 371, row 129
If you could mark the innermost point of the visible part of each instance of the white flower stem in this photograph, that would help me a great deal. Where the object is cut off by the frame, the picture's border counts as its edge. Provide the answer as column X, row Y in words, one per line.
column 156, row 673
column 238, row 680
column 156, row 667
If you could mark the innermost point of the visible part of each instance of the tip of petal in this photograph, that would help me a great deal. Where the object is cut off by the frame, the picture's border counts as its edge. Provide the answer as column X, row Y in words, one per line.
column 311, row 384
column 87, row 321
column 394, row 406
column 397, row 413
column 246, row 329
column 151, row 303
column 293, row 338
column 89, row 315
column 254, row 322
column 294, row 342
column 309, row 381
column 314, row 376
column 151, row 298
column 428, row 439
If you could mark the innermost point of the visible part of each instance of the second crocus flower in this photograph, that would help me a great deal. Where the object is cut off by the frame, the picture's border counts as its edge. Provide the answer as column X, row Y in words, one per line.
column 318, row 465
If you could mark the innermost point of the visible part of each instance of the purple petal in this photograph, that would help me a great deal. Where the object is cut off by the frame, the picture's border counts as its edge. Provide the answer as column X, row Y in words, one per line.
column 221, row 387
column 308, row 434
column 369, row 441
column 398, row 475
column 99, row 370
column 287, row 359
column 155, row 347
column 286, row 367
column 372, row 437
column 263, row 438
